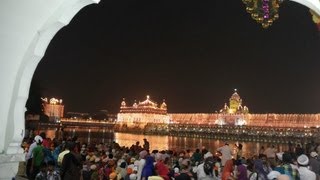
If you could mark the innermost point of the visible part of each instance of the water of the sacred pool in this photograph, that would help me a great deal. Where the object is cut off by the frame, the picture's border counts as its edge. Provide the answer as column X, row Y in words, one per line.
column 168, row 142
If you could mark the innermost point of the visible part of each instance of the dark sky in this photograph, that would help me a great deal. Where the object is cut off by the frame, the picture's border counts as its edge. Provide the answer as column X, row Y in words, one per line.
column 191, row 53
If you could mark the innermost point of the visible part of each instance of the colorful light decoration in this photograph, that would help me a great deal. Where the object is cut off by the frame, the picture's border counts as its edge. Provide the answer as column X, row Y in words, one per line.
column 264, row 12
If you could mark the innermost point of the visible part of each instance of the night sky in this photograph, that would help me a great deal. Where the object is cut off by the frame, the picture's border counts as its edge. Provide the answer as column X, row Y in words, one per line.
column 191, row 53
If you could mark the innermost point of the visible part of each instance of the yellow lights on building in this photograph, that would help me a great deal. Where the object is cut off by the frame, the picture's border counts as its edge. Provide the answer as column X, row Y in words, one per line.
column 55, row 101
column 235, row 105
column 53, row 108
column 52, row 101
column 143, row 112
column 146, row 106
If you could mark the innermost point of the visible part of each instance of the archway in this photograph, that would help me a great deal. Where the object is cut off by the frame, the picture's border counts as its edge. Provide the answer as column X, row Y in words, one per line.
column 20, row 54
column 27, row 29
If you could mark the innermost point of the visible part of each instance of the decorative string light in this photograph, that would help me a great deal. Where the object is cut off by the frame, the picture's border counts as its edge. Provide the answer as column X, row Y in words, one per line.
column 264, row 12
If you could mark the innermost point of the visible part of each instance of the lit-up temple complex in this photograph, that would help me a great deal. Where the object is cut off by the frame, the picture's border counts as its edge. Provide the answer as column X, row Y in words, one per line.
column 143, row 113
column 148, row 117
column 235, row 114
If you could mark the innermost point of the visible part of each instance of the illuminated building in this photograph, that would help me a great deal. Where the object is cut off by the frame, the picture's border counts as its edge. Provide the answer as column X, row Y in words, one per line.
column 142, row 113
column 234, row 114
column 53, row 108
column 235, row 105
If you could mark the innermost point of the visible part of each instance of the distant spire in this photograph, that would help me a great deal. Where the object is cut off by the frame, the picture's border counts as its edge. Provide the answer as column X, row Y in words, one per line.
column 235, row 90
column 123, row 103
column 135, row 105
column 163, row 105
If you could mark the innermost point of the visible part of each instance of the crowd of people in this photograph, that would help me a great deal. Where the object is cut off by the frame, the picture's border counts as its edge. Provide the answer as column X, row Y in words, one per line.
column 55, row 159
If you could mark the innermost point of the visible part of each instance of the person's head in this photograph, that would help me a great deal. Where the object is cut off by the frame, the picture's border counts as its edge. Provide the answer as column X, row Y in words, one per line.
column 250, row 165
column 123, row 165
column 207, row 155
column 43, row 135
column 110, row 156
column 298, row 146
column 113, row 176
column 286, row 158
column 303, row 160
column 273, row 175
column 263, row 157
column 314, row 154
column 71, row 145
column 93, row 167
column 38, row 139
column 238, row 162
column 143, row 154
column 43, row 167
column 51, row 165
column 74, row 138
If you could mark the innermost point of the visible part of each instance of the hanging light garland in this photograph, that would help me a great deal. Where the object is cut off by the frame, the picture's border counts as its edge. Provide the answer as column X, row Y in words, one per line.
column 263, row 11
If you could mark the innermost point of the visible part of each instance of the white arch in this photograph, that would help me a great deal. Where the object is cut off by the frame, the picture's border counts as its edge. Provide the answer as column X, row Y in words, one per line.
column 312, row 4
column 27, row 28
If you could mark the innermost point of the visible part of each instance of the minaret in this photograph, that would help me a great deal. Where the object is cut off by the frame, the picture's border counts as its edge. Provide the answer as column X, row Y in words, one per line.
column 163, row 105
column 235, row 101
column 135, row 105
column 123, row 103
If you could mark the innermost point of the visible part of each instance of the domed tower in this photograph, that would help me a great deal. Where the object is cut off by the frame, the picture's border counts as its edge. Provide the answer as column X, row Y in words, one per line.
column 135, row 105
column 123, row 103
column 235, row 102
column 163, row 105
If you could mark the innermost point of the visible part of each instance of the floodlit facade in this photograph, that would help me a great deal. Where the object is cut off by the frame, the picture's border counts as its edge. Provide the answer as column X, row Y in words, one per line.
column 53, row 108
column 143, row 113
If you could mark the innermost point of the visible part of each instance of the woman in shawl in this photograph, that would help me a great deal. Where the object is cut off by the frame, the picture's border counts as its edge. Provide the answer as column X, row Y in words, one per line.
column 261, row 170
column 227, row 173
column 241, row 170
column 148, row 169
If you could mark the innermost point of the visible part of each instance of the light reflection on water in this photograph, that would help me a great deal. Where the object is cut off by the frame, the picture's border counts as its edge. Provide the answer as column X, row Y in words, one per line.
column 168, row 142
column 184, row 143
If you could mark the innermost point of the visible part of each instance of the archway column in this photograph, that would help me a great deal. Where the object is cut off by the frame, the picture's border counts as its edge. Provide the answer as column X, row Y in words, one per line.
column 27, row 28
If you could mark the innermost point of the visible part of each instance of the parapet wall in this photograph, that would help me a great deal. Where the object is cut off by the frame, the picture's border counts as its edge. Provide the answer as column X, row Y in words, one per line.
column 269, row 120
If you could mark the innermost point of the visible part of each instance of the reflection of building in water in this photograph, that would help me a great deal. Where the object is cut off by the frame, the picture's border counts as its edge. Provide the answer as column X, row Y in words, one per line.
column 142, row 113
column 156, row 142
column 53, row 108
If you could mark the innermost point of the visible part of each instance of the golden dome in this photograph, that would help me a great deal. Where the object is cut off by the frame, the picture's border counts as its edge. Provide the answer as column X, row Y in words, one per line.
column 235, row 96
column 148, row 103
